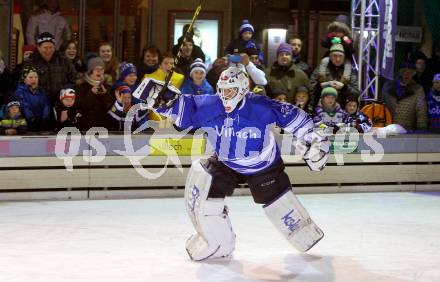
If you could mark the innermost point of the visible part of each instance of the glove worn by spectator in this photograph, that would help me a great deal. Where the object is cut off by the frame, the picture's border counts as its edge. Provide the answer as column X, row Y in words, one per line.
column 318, row 147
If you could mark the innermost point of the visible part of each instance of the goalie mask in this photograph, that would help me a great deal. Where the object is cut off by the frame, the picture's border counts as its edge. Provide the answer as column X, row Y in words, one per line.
column 232, row 86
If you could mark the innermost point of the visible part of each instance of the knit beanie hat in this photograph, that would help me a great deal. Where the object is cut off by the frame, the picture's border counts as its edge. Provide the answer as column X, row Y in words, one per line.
column 302, row 89
column 67, row 93
column 94, row 62
column 124, row 89
column 126, row 69
column 436, row 77
column 285, row 47
column 246, row 26
column 197, row 65
column 337, row 48
column 12, row 103
column 25, row 71
column 329, row 91
column 45, row 37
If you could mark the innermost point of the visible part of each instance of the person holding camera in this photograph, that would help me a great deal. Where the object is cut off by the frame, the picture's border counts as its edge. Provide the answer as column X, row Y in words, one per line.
column 94, row 97
column 335, row 71
column 240, row 59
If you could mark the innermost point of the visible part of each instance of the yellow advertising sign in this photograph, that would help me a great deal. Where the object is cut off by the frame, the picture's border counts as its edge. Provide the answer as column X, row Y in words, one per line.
column 177, row 147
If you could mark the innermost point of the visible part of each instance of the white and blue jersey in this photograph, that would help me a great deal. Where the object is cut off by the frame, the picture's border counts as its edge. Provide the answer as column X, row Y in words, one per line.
column 243, row 139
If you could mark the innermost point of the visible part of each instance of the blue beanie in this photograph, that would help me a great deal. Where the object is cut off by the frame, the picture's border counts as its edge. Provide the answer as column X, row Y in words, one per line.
column 126, row 69
column 246, row 26
column 285, row 47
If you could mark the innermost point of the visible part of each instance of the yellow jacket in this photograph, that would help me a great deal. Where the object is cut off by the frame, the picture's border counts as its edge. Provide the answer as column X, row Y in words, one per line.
column 159, row 74
column 176, row 81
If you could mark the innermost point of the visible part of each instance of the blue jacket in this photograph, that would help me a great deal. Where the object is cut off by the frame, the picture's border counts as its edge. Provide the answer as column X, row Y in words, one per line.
column 35, row 106
column 433, row 101
column 189, row 87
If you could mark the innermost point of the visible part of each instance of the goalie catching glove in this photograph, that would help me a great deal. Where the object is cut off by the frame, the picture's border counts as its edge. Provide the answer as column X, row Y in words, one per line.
column 317, row 147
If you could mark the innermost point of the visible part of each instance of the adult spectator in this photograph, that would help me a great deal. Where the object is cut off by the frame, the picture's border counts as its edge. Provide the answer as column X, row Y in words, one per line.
column 197, row 51
column 54, row 71
column 105, row 51
column 406, row 99
column 186, row 56
column 335, row 71
column 213, row 75
column 93, row 96
column 166, row 64
column 149, row 62
column 7, row 85
column 297, row 44
column 285, row 74
column 244, row 41
column 48, row 18
column 423, row 75
column 70, row 51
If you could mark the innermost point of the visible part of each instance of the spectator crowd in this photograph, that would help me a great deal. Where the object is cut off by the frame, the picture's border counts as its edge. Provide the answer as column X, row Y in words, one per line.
column 54, row 87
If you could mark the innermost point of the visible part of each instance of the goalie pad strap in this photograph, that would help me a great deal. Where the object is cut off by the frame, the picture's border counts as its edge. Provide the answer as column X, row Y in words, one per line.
column 290, row 217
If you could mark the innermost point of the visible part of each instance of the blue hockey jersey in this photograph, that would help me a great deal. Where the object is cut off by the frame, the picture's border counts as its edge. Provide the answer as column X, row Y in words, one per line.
column 243, row 139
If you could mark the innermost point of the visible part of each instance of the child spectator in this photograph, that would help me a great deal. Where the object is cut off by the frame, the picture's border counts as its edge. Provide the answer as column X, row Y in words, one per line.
column 149, row 61
column 66, row 112
column 13, row 123
column 339, row 33
column 27, row 52
column 279, row 94
column 34, row 101
column 355, row 118
column 127, row 76
column 433, row 99
column 328, row 113
column 245, row 41
column 118, row 113
column 302, row 99
column 93, row 96
column 196, row 83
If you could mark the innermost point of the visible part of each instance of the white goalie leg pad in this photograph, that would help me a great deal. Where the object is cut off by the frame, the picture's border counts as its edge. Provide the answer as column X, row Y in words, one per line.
column 214, row 236
column 293, row 221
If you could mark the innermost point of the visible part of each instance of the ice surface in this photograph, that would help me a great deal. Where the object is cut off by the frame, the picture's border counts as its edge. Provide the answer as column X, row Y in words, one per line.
column 368, row 237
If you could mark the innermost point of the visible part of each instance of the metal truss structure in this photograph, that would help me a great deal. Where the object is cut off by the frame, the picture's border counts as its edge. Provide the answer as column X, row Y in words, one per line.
column 365, row 23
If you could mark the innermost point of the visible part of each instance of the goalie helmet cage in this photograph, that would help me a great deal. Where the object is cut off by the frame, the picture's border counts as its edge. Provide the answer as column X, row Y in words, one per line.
column 365, row 23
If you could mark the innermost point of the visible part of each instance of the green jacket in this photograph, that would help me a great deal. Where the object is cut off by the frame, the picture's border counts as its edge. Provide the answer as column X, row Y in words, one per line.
column 18, row 123
column 288, row 78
